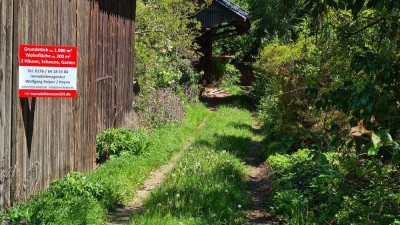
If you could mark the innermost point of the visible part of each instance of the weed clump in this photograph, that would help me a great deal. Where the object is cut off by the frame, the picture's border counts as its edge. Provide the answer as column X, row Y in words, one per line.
column 114, row 142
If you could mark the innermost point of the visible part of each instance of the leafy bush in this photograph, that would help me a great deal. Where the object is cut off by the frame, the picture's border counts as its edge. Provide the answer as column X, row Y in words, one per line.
column 15, row 216
column 283, row 72
column 165, row 46
column 314, row 187
column 113, row 142
column 78, row 184
column 160, row 107
column 48, row 209
column 189, row 94
column 230, row 76
column 71, row 200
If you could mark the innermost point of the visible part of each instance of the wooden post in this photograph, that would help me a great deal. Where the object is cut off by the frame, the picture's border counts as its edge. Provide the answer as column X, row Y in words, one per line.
column 206, row 49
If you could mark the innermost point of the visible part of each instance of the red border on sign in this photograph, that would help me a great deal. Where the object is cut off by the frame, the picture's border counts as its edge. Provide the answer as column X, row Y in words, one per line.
column 26, row 93
column 48, row 56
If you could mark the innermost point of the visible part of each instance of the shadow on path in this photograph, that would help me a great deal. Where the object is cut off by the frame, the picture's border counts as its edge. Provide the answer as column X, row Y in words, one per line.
column 260, row 184
column 258, row 177
column 123, row 214
column 214, row 98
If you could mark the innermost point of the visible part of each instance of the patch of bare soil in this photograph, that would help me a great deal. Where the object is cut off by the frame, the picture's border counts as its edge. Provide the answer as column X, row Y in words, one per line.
column 259, row 179
column 213, row 97
column 123, row 214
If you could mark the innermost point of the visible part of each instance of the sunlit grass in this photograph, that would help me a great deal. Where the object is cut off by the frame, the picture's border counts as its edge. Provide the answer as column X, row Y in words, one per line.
column 229, row 129
column 124, row 175
column 119, row 177
column 207, row 186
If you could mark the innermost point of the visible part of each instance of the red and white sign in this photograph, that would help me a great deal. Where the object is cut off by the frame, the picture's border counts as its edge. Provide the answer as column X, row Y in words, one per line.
column 47, row 71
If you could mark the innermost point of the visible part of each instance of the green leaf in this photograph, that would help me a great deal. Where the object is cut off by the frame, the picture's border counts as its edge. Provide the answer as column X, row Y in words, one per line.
column 376, row 140
column 373, row 151
column 321, row 158
column 378, row 168
column 398, row 198
column 384, row 136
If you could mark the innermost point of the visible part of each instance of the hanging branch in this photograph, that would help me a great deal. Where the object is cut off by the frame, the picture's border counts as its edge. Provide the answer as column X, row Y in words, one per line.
column 365, row 27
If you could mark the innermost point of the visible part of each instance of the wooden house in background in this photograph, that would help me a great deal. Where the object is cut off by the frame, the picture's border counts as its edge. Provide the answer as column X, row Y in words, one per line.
column 44, row 139
column 221, row 19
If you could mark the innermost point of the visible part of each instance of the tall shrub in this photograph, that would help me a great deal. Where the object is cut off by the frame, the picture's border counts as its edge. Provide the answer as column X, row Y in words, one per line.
column 165, row 44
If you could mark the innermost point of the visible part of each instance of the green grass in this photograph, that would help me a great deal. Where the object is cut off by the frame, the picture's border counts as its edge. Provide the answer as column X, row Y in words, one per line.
column 229, row 129
column 207, row 186
column 85, row 198
column 124, row 175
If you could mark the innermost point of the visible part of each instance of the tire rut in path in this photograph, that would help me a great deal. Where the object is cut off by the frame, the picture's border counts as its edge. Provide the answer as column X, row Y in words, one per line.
column 259, row 179
column 122, row 215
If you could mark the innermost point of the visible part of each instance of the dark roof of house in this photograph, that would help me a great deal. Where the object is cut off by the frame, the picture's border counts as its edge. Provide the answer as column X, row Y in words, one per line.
column 223, row 11
column 235, row 8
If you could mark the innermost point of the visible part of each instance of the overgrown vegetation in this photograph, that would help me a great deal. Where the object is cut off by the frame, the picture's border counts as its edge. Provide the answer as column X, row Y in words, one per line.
column 207, row 186
column 163, row 106
column 114, row 142
column 328, row 97
column 165, row 53
column 328, row 188
column 230, row 78
column 327, row 80
column 85, row 198
column 165, row 44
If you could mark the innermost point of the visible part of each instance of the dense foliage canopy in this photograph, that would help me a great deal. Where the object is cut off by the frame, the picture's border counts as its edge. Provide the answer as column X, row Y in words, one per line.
column 328, row 78
column 165, row 43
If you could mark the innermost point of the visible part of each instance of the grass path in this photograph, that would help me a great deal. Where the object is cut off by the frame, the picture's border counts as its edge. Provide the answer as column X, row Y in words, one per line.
column 210, row 184
column 258, row 177
column 122, row 215
column 219, row 177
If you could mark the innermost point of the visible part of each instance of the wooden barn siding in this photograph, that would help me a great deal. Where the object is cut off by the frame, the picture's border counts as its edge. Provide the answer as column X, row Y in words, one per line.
column 44, row 139
column 6, row 22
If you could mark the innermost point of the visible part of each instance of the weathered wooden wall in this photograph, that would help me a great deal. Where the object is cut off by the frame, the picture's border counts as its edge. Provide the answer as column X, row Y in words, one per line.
column 44, row 139
column 6, row 24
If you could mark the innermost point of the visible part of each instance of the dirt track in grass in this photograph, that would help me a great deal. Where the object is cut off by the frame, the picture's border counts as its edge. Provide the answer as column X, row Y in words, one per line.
column 259, row 172
column 258, row 176
column 123, row 214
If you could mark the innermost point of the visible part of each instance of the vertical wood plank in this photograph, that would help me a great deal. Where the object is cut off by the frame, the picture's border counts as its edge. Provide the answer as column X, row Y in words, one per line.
column 6, row 55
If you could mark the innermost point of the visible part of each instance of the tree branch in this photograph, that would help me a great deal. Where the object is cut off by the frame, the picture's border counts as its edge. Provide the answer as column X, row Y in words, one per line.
column 148, row 31
column 365, row 27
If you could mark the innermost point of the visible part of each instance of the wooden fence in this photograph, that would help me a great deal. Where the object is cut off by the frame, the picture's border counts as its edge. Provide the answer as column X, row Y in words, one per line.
column 44, row 139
